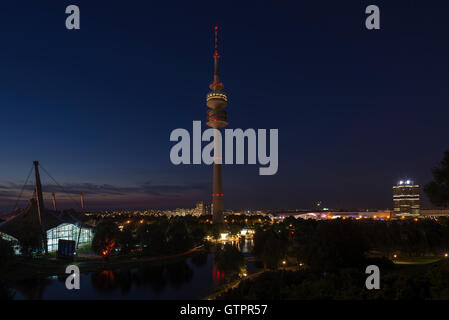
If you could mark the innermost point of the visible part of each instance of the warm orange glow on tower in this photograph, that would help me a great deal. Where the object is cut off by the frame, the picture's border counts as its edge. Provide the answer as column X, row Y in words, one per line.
column 217, row 100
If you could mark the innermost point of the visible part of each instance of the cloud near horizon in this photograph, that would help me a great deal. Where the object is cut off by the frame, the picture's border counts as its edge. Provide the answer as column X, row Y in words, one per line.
column 102, row 194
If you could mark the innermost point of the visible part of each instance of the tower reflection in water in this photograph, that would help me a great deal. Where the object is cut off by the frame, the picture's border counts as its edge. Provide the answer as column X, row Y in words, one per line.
column 217, row 276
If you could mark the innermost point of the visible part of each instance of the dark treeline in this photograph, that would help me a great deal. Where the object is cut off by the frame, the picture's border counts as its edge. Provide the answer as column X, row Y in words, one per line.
column 148, row 237
column 329, row 259
column 332, row 244
column 159, row 235
column 397, row 282
column 230, row 261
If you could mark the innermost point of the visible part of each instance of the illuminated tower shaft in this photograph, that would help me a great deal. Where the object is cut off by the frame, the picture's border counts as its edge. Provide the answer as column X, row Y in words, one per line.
column 216, row 116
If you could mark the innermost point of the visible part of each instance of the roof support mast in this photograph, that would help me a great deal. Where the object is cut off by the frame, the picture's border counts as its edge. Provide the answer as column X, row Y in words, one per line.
column 40, row 202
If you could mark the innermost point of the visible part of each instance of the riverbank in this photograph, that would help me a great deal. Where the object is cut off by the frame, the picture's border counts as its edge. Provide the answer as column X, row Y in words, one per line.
column 24, row 268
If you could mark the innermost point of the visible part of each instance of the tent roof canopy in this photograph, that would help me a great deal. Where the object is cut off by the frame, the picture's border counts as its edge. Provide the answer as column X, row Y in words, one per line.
column 29, row 218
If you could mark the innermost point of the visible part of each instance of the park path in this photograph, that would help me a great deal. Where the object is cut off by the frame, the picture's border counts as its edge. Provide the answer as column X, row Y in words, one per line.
column 236, row 283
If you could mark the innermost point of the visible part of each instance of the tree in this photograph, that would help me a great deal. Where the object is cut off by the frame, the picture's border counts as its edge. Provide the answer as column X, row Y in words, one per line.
column 126, row 240
column 271, row 246
column 196, row 231
column 105, row 238
column 438, row 190
column 234, row 228
column 178, row 238
column 438, row 275
column 214, row 230
column 272, row 255
column 31, row 239
column 229, row 260
column 334, row 245
column 152, row 238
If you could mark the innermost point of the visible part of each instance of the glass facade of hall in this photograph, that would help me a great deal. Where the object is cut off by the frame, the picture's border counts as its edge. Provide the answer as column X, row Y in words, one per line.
column 67, row 231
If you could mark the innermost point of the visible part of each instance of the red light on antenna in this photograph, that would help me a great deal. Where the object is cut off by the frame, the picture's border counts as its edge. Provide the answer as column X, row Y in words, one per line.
column 216, row 28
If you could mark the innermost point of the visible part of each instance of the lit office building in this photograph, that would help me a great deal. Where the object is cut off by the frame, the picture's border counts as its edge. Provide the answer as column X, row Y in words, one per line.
column 406, row 198
column 200, row 209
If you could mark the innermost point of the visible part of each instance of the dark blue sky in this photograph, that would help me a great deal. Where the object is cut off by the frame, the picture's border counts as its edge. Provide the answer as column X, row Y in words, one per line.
column 356, row 109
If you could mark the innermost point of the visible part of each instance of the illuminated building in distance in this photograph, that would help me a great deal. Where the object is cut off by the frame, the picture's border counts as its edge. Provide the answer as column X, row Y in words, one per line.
column 217, row 100
column 200, row 209
column 406, row 198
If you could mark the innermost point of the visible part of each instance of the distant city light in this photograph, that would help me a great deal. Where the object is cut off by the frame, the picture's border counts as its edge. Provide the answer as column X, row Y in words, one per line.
column 401, row 182
column 224, row 236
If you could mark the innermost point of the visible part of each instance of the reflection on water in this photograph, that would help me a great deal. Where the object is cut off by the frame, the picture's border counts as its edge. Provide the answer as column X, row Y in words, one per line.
column 5, row 291
column 245, row 246
column 104, row 281
column 31, row 289
column 200, row 259
column 192, row 278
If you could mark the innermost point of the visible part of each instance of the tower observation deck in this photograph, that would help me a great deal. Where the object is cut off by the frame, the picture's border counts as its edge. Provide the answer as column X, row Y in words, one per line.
column 217, row 100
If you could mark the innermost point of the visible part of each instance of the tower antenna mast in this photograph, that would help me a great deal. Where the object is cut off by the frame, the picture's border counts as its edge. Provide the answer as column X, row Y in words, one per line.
column 217, row 101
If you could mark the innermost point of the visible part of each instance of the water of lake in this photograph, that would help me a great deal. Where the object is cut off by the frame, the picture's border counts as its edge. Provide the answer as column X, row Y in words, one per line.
column 192, row 278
